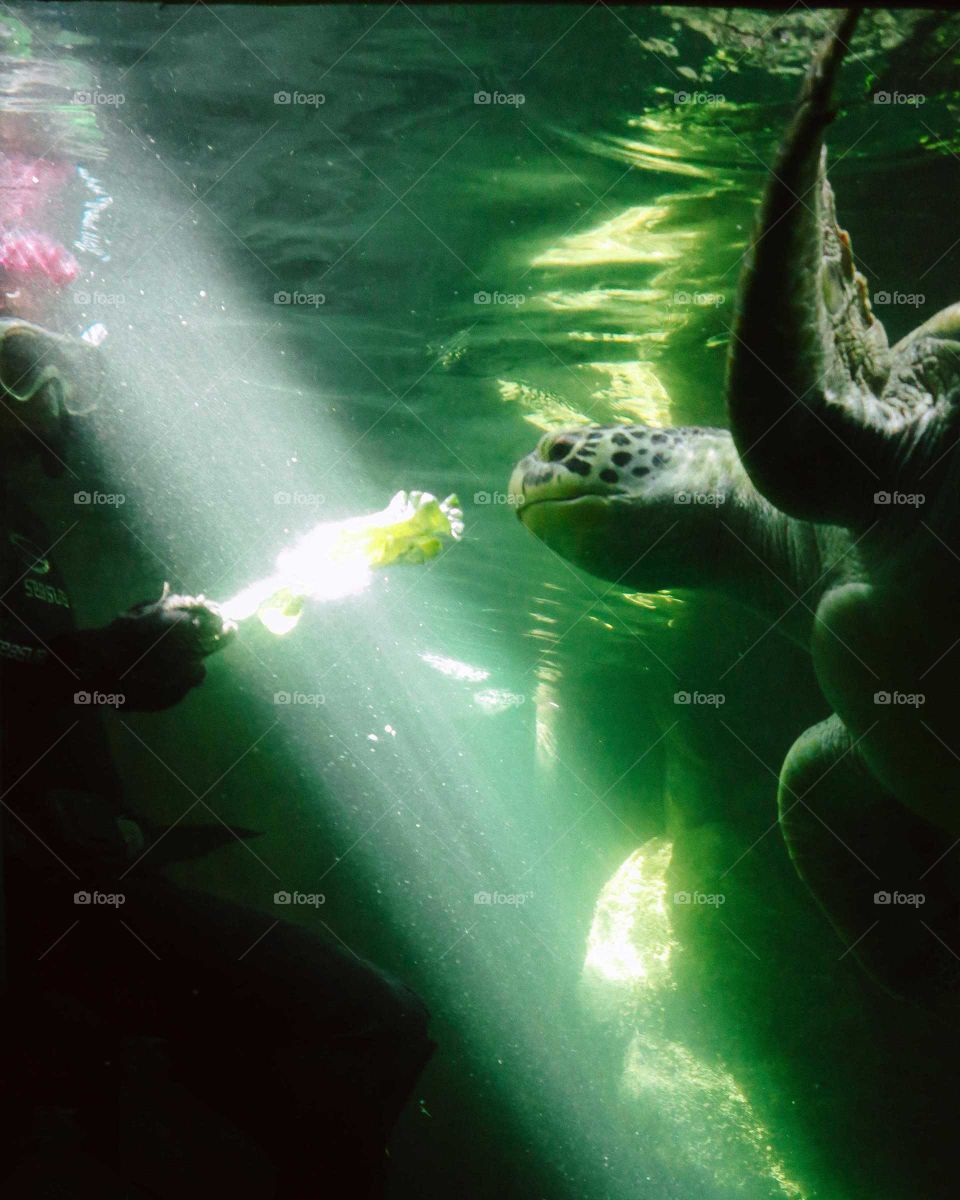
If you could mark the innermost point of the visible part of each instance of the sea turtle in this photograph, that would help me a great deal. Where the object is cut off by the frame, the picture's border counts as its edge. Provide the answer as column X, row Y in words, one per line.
column 831, row 507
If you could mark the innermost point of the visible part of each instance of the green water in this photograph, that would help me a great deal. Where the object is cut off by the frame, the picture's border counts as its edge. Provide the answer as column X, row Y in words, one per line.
column 719, row 1050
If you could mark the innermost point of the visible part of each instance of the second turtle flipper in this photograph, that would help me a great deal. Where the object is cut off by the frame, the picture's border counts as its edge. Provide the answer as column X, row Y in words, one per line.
column 809, row 360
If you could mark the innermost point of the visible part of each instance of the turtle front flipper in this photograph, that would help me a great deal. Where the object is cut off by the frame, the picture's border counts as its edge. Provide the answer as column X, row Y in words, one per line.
column 809, row 360
column 884, row 877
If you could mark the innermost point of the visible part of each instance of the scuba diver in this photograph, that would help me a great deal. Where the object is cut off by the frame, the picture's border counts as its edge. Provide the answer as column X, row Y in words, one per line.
column 116, row 979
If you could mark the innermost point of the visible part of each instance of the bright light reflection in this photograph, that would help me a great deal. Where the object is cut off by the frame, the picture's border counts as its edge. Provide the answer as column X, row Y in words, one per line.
column 632, row 236
column 628, row 973
column 703, row 1103
column 336, row 558
column 630, row 938
column 454, row 669
column 497, row 700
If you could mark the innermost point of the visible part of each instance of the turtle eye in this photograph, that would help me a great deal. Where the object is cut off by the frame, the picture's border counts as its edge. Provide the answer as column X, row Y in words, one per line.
column 559, row 450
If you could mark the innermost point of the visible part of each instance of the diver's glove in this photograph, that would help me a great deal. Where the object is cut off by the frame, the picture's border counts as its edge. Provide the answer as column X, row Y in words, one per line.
column 151, row 656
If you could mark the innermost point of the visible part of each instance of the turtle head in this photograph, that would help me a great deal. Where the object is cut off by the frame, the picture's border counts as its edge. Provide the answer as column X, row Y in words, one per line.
column 640, row 506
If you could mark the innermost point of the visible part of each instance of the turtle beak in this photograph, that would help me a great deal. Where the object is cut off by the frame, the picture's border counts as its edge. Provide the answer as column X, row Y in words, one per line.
column 516, row 492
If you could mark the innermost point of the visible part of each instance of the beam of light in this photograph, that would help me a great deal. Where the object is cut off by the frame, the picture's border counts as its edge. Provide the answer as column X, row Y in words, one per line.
column 222, row 399
column 337, row 558
column 628, row 974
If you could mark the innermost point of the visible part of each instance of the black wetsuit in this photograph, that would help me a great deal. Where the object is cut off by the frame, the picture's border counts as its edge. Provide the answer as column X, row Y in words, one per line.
column 306, row 1049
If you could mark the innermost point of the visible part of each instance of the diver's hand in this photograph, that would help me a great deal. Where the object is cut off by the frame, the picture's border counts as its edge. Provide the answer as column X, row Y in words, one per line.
column 151, row 655
column 194, row 622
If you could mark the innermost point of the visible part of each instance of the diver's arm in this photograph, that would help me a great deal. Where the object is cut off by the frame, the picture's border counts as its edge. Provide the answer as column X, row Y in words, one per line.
column 152, row 655
column 42, row 682
column 131, row 664
column 89, row 666
column 148, row 658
